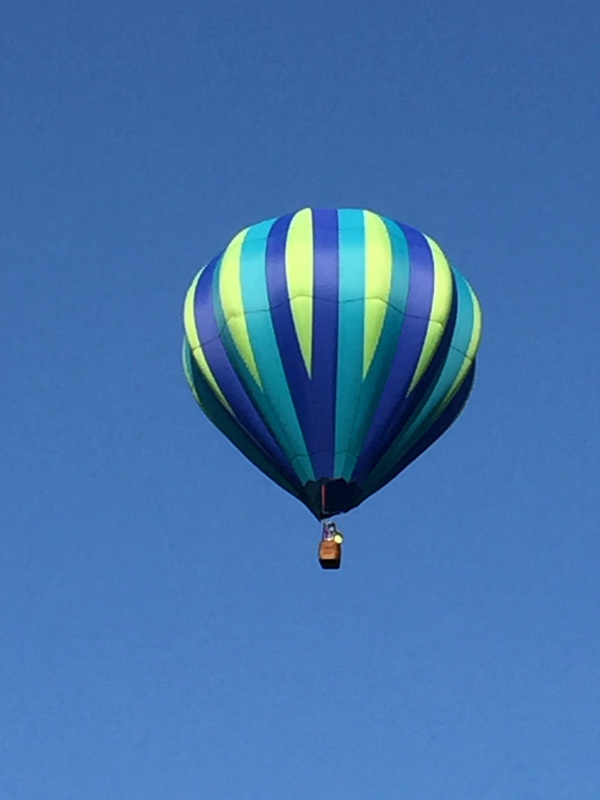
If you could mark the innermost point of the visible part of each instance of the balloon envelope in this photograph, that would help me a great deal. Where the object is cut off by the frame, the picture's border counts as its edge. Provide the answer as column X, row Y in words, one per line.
column 332, row 347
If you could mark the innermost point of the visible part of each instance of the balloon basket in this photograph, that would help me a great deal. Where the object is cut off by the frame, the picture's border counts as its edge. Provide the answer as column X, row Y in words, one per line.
column 330, row 554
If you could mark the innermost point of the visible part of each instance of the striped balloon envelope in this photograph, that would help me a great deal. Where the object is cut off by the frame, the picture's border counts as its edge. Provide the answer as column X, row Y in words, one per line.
column 332, row 347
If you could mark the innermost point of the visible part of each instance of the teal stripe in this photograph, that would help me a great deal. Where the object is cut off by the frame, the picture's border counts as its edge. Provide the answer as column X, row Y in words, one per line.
column 375, row 380
column 428, row 412
column 465, row 315
column 275, row 403
column 260, row 230
column 461, row 336
column 350, row 334
column 222, row 420
column 401, row 265
column 187, row 359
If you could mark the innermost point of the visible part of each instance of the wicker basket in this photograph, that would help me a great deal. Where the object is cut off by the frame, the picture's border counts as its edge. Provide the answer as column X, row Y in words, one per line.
column 330, row 554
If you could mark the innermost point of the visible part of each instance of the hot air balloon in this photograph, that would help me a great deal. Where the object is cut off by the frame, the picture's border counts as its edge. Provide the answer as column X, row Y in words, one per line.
column 331, row 347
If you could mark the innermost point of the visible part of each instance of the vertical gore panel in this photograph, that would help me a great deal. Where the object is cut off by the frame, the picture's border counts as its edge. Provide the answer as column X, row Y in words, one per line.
column 321, row 439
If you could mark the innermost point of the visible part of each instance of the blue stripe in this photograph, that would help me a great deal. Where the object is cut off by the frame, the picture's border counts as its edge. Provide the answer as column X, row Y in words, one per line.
column 228, row 381
column 276, row 400
column 406, row 357
column 321, row 440
column 419, row 417
column 455, row 354
column 289, row 352
column 223, row 420
column 429, row 437
column 385, row 352
column 426, row 385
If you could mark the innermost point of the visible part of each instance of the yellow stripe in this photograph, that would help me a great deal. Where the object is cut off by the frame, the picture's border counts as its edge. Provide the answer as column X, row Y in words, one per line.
column 189, row 321
column 299, row 271
column 191, row 333
column 194, row 392
column 230, row 293
column 188, row 376
column 202, row 363
column 440, row 310
column 471, row 349
column 378, row 283
column 476, row 334
column 442, row 287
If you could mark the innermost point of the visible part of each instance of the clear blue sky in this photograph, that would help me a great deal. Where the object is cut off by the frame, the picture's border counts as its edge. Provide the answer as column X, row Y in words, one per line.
column 165, row 630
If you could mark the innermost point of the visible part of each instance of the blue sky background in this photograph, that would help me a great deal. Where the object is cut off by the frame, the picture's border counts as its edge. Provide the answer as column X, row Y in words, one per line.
column 165, row 630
